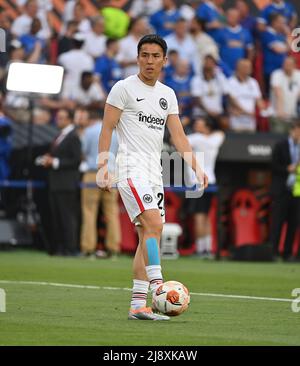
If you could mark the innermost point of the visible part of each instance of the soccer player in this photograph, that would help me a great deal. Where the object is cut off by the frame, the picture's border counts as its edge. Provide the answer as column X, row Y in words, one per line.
column 139, row 107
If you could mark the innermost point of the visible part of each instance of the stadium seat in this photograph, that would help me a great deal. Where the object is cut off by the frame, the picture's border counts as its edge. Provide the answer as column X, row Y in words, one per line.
column 245, row 227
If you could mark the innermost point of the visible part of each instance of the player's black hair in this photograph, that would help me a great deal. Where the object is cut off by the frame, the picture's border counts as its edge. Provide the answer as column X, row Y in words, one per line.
column 153, row 38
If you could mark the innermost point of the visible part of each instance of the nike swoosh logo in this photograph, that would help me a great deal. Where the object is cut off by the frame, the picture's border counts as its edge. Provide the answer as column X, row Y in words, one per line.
column 139, row 100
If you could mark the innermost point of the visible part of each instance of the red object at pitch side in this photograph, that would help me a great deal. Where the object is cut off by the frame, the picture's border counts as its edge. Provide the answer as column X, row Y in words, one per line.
column 245, row 227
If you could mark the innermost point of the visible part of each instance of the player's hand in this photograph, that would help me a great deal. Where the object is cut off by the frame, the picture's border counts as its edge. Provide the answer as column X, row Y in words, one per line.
column 104, row 179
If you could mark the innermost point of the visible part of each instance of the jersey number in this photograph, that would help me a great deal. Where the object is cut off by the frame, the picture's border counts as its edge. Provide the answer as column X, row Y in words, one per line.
column 160, row 197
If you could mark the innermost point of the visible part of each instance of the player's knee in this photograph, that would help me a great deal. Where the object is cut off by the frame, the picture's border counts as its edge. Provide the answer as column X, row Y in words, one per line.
column 153, row 229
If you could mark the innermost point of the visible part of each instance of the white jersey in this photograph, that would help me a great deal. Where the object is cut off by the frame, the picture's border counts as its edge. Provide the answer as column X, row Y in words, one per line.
column 141, row 127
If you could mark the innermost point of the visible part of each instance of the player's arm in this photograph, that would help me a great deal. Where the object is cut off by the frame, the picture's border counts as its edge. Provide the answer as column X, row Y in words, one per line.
column 110, row 119
column 183, row 146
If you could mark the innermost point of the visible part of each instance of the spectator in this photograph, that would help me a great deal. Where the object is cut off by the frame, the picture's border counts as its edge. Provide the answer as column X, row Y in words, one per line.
column 181, row 41
column 128, row 46
column 44, row 7
column 205, row 45
column 5, row 153
column 5, row 143
column 180, row 82
column 5, row 24
column 22, row 23
column 235, row 42
column 141, row 8
column 208, row 142
column 285, row 94
column 81, row 119
column 107, row 67
column 211, row 14
column 244, row 96
column 17, row 103
column 68, row 13
column 88, row 93
column 95, row 40
column 281, row 7
column 274, row 47
column 247, row 21
column 285, row 207
column 173, row 58
column 92, row 196
column 188, row 9
column 76, row 61
column 63, row 162
column 165, row 19
column 41, row 116
column 79, row 16
column 30, row 40
column 66, row 41
column 208, row 90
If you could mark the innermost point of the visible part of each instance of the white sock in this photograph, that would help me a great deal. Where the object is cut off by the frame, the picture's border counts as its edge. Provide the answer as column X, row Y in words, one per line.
column 208, row 243
column 139, row 294
column 154, row 276
column 201, row 245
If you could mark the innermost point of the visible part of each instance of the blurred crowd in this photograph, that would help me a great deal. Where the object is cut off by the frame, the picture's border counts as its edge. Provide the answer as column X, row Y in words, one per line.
column 214, row 56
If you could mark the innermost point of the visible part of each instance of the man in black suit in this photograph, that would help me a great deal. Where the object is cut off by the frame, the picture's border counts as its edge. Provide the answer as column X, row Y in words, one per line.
column 63, row 163
column 285, row 159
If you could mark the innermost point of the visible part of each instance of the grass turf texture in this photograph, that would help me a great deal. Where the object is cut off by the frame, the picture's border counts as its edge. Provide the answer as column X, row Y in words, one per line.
column 45, row 315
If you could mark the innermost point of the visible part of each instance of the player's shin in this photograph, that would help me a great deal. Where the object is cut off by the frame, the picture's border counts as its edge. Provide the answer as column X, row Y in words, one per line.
column 153, row 268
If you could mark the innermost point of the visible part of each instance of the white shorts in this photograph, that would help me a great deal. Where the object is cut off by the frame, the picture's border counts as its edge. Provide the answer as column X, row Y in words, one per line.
column 139, row 196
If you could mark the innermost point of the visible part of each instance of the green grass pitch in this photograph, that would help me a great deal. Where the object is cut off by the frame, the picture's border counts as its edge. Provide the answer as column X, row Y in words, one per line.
column 50, row 315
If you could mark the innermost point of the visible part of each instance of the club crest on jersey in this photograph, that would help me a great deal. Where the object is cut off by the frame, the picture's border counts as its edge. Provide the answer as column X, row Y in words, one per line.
column 147, row 198
column 163, row 103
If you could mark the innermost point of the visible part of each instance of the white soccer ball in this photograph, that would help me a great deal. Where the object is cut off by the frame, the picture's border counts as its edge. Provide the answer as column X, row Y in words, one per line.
column 171, row 298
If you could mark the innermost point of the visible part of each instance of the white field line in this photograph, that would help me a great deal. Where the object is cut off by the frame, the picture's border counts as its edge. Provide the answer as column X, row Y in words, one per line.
column 128, row 289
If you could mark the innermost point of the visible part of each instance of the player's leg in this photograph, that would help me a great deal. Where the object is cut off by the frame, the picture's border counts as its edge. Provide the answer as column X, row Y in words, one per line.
column 139, row 270
column 138, row 309
column 140, row 280
column 138, row 199
column 152, row 228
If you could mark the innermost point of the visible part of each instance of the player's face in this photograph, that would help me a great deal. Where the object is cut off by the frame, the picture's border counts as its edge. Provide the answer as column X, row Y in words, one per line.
column 151, row 61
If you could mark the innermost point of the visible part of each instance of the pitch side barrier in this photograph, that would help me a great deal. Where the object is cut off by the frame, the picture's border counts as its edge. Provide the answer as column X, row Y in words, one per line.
column 39, row 184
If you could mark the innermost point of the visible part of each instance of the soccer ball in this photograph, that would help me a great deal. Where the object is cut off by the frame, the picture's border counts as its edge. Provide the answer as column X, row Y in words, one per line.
column 171, row 298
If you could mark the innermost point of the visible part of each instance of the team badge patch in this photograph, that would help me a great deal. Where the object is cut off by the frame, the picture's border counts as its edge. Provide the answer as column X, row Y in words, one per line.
column 163, row 103
column 147, row 198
